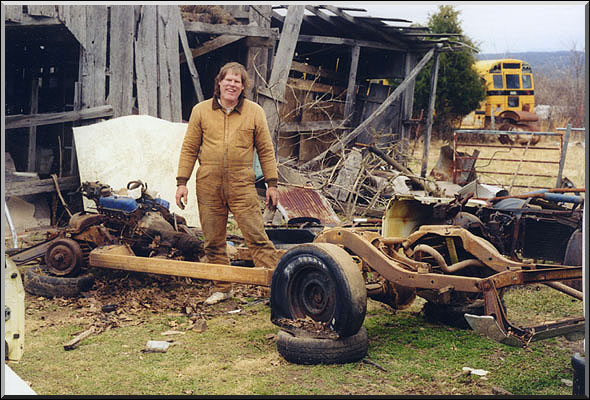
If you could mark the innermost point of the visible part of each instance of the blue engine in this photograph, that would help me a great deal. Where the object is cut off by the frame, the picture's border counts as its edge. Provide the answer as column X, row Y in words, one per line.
column 128, row 204
column 118, row 203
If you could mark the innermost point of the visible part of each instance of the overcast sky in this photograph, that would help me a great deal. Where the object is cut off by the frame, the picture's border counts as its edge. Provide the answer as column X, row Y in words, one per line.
column 501, row 27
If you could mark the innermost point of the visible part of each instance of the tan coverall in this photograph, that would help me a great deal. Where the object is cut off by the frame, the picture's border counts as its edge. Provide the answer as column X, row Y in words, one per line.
column 224, row 145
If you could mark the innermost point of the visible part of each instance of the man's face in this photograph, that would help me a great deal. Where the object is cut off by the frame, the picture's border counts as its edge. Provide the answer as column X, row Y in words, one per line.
column 230, row 88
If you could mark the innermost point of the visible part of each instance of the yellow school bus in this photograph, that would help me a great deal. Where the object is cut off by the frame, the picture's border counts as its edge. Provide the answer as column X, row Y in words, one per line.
column 510, row 93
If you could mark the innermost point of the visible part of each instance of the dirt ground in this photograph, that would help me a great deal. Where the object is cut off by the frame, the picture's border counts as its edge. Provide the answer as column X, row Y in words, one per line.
column 119, row 298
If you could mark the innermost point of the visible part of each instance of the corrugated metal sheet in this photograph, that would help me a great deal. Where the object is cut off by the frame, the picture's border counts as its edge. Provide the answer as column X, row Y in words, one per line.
column 303, row 202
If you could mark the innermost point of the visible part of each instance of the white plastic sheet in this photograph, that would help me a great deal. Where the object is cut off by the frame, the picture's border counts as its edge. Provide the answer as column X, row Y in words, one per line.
column 135, row 147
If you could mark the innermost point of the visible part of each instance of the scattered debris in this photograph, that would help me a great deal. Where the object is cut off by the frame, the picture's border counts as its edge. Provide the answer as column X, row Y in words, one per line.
column 75, row 342
column 471, row 371
column 373, row 363
column 156, row 346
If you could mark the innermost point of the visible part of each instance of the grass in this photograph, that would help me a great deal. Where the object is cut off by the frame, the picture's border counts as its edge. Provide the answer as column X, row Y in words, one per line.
column 236, row 355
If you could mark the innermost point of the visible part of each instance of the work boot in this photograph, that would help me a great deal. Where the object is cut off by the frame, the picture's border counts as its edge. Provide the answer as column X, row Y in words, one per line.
column 218, row 297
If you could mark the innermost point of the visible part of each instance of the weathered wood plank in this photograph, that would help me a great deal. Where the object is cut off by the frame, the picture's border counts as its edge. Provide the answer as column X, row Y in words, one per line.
column 344, row 182
column 337, row 146
column 347, row 42
column 34, row 107
column 429, row 116
column 351, row 90
column 259, row 49
column 102, row 257
column 93, row 63
column 146, row 61
column 311, row 126
column 121, row 59
column 282, row 65
column 316, row 71
column 35, row 186
column 210, row 46
column 407, row 104
column 46, row 11
column 190, row 62
column 13, row 12
column 74, row 18
column 312, row 86
column 164, row 79
column 222, row 29
column 23, row 121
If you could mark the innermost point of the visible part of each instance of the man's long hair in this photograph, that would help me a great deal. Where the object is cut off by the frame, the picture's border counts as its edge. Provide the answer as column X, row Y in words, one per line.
column 235, row 68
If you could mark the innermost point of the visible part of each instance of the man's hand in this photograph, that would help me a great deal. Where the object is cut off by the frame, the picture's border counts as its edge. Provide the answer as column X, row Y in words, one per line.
column 272, row 197
column 182, row 196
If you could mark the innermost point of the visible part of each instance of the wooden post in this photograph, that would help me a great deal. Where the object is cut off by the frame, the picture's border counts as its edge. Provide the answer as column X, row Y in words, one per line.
column 32, row 150
column 408, row 102
column 281, row 66
column 257, row 61
column 564, row 144
column 433, row 81
column 189, row 58
column 337, row 146
column 351, row 91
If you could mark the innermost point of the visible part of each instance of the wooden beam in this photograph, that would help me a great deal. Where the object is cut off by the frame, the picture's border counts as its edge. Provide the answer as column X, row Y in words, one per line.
column 317, row 71
column 210, row 46
column 35, row 186
column 282, row 65
column 338, row 145
column 311, row 126
column 351, row 90
column 407, row 105
column 364, row 25
column 348, row 42
column 190, row 62
column 222, row 29
column 23, row 121
column 312, row 86
column 110, row 257
column 429, row 117
column 34, row 107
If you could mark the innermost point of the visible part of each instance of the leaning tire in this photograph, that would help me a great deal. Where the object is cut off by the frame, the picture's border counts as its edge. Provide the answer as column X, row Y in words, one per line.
column 306, row 350
column 39, row 282
column 319, row 281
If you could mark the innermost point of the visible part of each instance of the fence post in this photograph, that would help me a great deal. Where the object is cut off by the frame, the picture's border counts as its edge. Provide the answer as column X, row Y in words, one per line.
column 563, row 153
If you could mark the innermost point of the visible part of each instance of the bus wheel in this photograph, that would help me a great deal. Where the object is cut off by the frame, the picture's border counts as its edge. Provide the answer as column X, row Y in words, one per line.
column 319, row 281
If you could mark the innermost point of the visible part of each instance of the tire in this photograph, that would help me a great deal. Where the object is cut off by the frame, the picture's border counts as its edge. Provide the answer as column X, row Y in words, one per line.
column 322, row 282
column 39, row 282
column 311, row 351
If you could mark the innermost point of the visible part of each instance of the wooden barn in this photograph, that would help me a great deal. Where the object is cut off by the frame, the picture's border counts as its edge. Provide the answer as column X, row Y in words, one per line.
column 326, row 76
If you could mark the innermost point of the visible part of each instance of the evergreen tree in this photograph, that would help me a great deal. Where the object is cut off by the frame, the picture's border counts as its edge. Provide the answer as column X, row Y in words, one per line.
column 459, row 88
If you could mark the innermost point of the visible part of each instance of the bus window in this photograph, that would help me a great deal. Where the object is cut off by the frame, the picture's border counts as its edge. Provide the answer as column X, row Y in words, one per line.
column 512, row 81
column 527, row 82
column 497, row 81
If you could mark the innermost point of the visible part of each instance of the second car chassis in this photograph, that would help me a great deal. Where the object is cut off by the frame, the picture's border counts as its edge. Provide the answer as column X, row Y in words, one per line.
column 444, row 264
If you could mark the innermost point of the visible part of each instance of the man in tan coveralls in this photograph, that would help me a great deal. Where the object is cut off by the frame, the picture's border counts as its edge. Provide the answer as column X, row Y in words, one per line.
column 222, row 134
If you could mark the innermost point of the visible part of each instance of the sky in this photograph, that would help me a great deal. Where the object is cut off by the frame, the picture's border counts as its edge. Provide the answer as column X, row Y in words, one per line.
column 500, row 27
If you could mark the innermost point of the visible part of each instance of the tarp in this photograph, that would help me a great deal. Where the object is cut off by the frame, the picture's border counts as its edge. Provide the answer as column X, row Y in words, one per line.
column 135, row 147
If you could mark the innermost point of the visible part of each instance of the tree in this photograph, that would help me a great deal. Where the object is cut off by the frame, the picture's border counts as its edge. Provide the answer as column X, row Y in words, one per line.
column 459, row 89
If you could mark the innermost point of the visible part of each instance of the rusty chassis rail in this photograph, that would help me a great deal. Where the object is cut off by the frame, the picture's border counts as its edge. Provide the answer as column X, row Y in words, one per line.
column 384, row 256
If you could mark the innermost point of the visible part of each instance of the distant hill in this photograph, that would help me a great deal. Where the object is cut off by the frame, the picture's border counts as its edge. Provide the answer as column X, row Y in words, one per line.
column 540, row 61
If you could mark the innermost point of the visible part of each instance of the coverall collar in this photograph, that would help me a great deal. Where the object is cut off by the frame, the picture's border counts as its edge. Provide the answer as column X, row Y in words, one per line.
column 217, row 105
